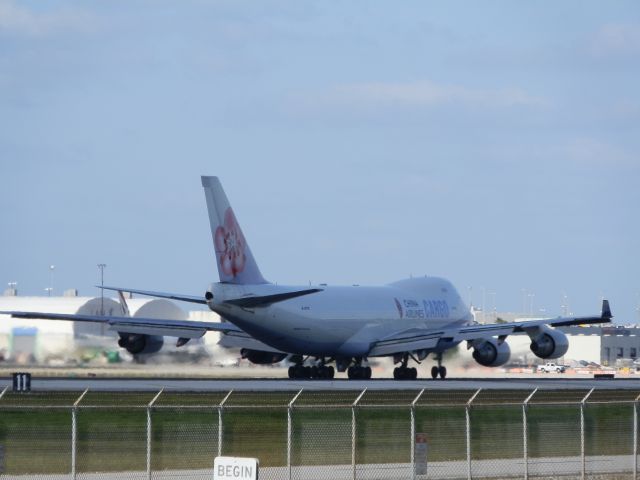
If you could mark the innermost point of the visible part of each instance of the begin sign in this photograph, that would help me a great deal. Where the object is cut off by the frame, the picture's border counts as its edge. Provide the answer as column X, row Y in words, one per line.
column 235, row 468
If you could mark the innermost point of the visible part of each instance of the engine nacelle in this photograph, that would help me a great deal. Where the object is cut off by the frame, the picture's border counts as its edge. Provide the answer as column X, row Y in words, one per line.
column 548, row 343
column 260, row 357
column 490, row 353
column 136, row 343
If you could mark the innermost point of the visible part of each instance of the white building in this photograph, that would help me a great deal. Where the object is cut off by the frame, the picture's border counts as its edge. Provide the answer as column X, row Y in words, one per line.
column 45, row 341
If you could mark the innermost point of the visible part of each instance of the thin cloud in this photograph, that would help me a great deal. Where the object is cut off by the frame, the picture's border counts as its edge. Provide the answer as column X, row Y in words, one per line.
column 587, row 151
column 424, row 94
column 17, row 19
column 617, row 39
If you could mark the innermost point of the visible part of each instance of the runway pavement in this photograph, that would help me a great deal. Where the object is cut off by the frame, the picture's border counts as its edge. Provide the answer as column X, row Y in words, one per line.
column 280, row 384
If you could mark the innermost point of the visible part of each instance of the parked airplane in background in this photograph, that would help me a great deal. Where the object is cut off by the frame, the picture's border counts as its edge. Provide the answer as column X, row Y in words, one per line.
column 407, row 319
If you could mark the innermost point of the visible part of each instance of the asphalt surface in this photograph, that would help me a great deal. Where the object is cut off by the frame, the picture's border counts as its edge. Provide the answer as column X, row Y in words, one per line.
column 616, row 465
column 280, row 384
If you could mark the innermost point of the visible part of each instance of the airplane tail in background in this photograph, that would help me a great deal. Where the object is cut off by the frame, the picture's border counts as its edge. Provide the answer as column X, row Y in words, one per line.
column 233, row 255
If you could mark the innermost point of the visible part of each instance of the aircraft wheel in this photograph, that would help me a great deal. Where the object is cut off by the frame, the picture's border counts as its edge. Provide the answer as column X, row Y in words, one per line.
column 350, row 373
column 404, row 373
column 367, row 373
column 443, row 372
column 330, row 373
column 413, row 373
column 434, row 372
column 314, row 373
column 292, row 372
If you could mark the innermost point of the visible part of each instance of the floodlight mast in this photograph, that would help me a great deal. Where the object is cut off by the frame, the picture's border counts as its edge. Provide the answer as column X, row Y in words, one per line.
column 102, row 266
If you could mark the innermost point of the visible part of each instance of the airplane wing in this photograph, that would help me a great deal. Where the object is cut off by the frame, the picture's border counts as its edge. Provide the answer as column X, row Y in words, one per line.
column 147, row 326
column 501, row 329
column 244, row 340
column 428, row 338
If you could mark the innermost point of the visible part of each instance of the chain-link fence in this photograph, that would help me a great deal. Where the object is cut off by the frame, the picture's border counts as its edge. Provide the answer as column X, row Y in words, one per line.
column 321, row 435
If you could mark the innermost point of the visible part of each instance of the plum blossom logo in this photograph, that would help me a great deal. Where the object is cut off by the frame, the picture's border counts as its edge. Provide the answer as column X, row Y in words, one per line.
column 229, row 245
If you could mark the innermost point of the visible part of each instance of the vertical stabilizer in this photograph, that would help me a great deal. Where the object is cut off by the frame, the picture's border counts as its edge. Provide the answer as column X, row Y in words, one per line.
column 233, row 255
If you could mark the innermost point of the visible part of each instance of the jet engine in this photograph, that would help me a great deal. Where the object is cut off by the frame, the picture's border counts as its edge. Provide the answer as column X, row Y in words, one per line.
column 491, row 353
column 260, row 357
column 548, row 343
column 136, row 343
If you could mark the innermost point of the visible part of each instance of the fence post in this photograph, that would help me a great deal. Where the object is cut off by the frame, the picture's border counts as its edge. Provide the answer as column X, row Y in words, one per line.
column 220, row 424
column 290, row 430
column 353, row 432
column 582, row 449
column 468, row 422
column 413, row 434
column 635, row 437
column 525, row 434
column 149, row 432
column 74, row 433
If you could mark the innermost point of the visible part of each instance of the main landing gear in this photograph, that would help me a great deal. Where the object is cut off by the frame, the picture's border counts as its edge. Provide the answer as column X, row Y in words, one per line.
column 440, row 369
column 403, row 372
column 320, row 372
column 358, row 372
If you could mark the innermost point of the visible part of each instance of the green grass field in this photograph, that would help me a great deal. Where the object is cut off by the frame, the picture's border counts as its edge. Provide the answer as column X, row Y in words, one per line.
column 35, row 429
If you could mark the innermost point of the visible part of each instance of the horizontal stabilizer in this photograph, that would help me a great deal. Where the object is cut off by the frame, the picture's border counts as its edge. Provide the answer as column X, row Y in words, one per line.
column 149, row 293
column 264, row 300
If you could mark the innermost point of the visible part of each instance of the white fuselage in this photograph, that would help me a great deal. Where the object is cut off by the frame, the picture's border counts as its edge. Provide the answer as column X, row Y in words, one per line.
column 342, row 321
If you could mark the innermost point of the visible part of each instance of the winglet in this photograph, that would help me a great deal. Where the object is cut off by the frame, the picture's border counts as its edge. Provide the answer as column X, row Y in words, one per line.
column 606, row 310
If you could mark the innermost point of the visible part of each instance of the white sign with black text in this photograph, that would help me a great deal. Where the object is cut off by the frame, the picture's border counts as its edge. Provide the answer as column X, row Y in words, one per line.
column 235, row 468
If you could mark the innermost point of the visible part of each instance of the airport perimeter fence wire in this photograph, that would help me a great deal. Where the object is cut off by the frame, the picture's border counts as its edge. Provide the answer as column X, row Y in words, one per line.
column 308, row 435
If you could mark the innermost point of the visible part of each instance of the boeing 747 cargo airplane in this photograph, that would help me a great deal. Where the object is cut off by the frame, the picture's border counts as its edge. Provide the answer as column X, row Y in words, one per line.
column 315, row 327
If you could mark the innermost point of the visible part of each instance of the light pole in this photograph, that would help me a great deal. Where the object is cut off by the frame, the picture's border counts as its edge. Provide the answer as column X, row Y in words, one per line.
column 102, row 266
column 494, row 314
column 565, row 305
column 51, row 269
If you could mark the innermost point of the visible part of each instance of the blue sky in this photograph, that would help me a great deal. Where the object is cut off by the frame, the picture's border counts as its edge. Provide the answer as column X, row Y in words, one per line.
column 494, row 143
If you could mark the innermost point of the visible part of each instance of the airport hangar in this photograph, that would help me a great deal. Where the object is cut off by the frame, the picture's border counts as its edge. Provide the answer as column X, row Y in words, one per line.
column 62, row 342
column 49, row 341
